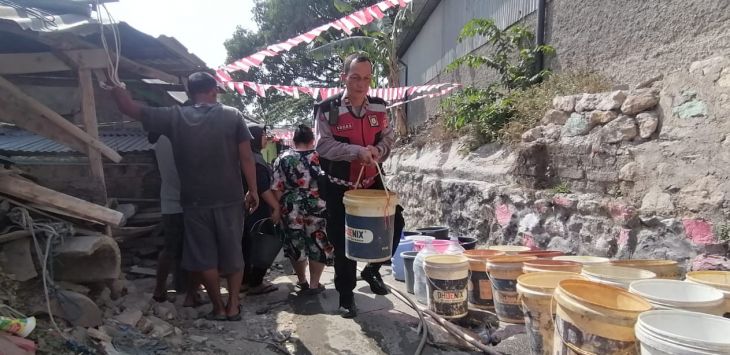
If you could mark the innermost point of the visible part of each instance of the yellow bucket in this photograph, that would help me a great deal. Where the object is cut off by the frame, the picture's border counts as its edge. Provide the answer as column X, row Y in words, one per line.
column 593, row 318
column 616, row 275
column 664, row 269
column 480, row 288
column 717, row 279
column 509, row 249
column 536, row 293
column 369, row 224
column 503, row 272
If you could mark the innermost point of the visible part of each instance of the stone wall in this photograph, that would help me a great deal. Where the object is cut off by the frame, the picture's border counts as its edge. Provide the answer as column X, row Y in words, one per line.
column 628, row 41
column 641, row 173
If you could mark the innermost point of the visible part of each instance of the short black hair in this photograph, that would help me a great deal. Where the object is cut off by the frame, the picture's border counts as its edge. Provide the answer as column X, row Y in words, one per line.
column 303, row 134
column 200, row 83
column 358, row 57
column 257, row 131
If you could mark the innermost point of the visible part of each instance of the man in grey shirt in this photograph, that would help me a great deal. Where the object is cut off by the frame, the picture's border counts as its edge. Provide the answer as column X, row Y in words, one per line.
column 211, row 145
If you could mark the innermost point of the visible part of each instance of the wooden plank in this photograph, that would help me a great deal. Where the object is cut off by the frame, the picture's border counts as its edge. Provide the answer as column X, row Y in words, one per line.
column 12, row 97
column 26, row 190
column 88, row 113
column 46, row 62
column 146, row 71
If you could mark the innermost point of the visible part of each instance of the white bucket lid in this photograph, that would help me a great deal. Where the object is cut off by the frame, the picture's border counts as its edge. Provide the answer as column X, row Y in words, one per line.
column 682, row 330
column 583, row 259
column 677, row 293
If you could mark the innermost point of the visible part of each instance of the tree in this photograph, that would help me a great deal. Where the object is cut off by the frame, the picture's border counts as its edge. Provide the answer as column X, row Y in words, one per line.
column 279, row 20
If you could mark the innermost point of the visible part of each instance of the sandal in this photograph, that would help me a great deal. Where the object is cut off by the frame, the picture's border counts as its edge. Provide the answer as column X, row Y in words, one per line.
column 262, row 289
column 236, row 317
column 303, row 286
column 216, row 317
column 313, row 291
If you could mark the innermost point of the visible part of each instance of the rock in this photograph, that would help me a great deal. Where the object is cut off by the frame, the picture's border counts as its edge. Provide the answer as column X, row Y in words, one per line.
column 589, row 207
column 140, row 302
column 165, row 310
column 657, row 202
column 628, row 172
column 710, row 262
column 710, row 68
column 117, row 288
column 17, row 261
column 109, row 349
column 160, row 328
column 567, row 201
column 648, row 123
column 98, row 335
column 649, row 82
column 639, row 101
column 198, row 339
column 532, row 134
column 557, row 117
column 187, row 313
column 705, row 193
column 176, row 341
column 690, row 109
column 564, row 103
column 587, row 102
column 602, row 117
column 611, row 101
column 203, row 324
column 129, row 317
column 76, row 254
column 576, row 125
column 724, row 80
column 551, row 132
column 74, row 307
column 621, row 129
column 104, row 299
column 699, row 231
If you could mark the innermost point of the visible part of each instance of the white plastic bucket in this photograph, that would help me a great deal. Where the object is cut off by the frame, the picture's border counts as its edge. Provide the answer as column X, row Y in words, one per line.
column 675, row 294
column 448, row 276
column 509, row 249
column 717, row 279
column 676, row 332
column 583, row 259
column 615, row 275
column 369, row 224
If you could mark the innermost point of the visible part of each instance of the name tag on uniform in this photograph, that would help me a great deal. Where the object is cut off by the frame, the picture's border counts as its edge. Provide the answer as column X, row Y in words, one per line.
column 373, row 121
column 343, row 127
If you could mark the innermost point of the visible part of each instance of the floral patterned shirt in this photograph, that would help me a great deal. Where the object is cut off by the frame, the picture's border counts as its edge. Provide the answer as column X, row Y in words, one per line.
column 293, row 176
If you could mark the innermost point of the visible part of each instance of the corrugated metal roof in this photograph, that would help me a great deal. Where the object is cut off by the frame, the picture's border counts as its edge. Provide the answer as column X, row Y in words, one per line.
column 15, row 141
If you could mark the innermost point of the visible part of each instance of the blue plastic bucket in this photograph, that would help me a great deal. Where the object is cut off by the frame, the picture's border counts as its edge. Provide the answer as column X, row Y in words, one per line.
column 397, row 260
column 369, row 224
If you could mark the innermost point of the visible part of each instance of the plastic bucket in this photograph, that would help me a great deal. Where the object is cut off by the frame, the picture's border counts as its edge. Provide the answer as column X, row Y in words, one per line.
column 419, row 238
column 468, row 243
column 679, row 332
column 664, row 269
column 675, row 294
column 406, row 234
column 437, row 232
column 267, row 242
column 369, row 224
column 615, row 275
column 536, row 293
column 551, row 265
column 583, row 259
column 509, row 249
column 438, row 245
column 503, row 273
column 408, row 258
column 397, row 260
column 448, row 276
column 593, row 318
column 717, row 279
column 480, row 288
column 542, row 254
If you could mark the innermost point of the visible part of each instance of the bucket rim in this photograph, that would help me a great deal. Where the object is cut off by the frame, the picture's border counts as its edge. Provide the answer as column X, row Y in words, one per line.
column 523, row 280
column 673, row 337
column 482, row 254
column 552, row 262
column 406, row 255
column 510, row 248
column 593, row 270
column 638, row 299
column 433, row 260
column 711, row 301
column 370, row 193
column 586, row 259
column 510, row 259
column 644, row 262
column 722, row 286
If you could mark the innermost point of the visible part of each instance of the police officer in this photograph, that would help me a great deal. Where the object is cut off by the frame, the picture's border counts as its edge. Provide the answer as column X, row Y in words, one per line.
column 353, row 135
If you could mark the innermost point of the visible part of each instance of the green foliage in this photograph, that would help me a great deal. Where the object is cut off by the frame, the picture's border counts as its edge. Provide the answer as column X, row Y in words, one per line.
column 561, row 188
column 484, row 111
column 278, row 20
column 531, row 103
column 514, row 54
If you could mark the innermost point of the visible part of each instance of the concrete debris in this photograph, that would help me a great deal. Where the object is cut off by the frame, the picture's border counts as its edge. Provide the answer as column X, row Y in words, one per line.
column 74, row 307
column 198, row 339
column 75, row 254
column 129, row 317
column 17, row 261
column 165, row 310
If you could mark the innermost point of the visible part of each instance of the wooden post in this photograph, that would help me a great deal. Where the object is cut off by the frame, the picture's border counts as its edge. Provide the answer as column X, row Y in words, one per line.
column 88, row 112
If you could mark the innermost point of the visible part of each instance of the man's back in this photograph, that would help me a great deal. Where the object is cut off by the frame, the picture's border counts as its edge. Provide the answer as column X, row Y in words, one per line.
column 205, row 140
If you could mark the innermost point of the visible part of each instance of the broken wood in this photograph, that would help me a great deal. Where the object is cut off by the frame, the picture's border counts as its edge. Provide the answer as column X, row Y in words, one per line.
column 46, row 198
column 26, row 112
column 9, row 237
column 128, row 233
column 88, row 112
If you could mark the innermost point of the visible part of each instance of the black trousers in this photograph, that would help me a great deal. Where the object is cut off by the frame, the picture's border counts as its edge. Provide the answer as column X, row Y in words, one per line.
column 346, row 269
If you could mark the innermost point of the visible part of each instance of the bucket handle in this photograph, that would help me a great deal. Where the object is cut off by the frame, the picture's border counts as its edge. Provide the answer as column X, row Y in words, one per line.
column 256, row 227
column 387, row 192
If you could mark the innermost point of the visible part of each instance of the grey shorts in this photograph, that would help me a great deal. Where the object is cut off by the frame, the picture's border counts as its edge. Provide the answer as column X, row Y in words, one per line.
column 213, row 239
